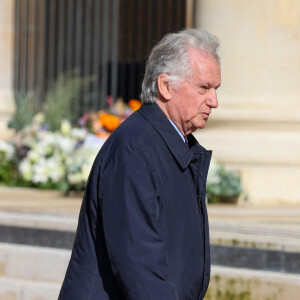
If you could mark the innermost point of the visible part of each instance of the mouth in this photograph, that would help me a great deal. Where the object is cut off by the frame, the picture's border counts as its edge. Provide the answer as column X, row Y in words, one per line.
column 206, row 115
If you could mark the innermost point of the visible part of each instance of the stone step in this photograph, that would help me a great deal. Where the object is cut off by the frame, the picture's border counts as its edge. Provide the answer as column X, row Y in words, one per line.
column 255, row 284
column 31, row 273
column 241, row 283
column 271, row 228
column 268, row 228
column 33, row 263
column 37, row 237
column 42, row 220
column 243, row 238
column 21, row 289
column 33, row 199
column 256, row 274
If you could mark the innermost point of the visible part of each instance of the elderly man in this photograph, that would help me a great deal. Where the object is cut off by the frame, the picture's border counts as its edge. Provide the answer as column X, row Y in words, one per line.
column 143, row 228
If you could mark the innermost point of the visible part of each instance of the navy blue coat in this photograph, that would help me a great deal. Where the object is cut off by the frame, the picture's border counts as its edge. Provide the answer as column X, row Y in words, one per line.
column 143, row 230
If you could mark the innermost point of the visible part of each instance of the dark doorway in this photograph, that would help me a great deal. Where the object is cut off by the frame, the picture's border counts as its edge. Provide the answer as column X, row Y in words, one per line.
column 107, row 39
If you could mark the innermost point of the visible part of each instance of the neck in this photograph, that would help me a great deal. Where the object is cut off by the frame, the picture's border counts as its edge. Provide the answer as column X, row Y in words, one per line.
column 163, row 105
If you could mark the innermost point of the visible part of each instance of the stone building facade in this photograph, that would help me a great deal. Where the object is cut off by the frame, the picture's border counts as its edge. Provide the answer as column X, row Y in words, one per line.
column 6, row 63
column 256, row 129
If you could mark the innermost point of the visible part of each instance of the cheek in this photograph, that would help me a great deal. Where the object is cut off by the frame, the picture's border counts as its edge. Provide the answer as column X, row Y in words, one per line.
column 194, row 107
column 190, row 106
column 191, row 114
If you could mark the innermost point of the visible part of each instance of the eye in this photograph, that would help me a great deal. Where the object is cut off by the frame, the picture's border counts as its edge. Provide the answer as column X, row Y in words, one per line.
column 203, row 89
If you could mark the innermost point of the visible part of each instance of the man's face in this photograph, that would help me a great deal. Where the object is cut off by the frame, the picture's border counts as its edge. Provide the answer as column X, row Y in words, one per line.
column 193, row 99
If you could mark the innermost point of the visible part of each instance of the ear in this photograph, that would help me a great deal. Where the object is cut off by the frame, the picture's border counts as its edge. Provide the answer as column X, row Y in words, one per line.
column 164, row 86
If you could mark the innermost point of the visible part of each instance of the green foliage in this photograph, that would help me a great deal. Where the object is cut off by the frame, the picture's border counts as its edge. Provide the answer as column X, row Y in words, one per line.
column 231, row 290
column 9, row 174
column 7, row 170
column 62, row 185
column 61, row 99
column 26, row 108
column 226, row 189
column 232, row 295
column 60, row 104
column 228, row 294
column 238, row 288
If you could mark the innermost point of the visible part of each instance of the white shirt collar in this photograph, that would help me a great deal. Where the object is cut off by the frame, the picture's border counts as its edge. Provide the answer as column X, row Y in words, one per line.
column 179, row 132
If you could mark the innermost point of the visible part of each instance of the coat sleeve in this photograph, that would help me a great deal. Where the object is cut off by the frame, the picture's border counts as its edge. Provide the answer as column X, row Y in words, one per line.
column 134, row 238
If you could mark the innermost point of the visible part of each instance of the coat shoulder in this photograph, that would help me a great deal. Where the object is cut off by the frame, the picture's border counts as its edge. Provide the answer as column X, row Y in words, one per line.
column 133, row 137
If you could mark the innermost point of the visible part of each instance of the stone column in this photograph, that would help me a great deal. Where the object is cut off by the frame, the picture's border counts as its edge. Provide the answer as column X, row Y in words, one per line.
column 256, row 128
column 6, row 63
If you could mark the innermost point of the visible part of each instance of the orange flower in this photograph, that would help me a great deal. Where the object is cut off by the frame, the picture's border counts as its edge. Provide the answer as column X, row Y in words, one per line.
column 109, row 122
column 134, row 104
column 102, row 134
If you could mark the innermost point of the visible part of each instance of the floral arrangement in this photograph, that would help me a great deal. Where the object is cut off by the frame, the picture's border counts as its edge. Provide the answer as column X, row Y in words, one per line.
column 39, row 156
column 61, row 159
column 222, row 185
column 55, row 160
column 103, row 122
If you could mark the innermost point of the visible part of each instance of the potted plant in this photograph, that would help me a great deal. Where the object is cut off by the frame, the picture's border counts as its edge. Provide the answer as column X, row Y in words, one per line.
column 223, row 186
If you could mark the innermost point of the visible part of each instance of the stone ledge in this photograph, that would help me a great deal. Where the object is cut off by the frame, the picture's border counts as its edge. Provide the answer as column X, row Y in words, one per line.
column 32, row 199
column 16, row 289
column 61, row 221
column 25, row 262
column 58, row 239
column 256, row 274
column 231, row 283
column 255, row 258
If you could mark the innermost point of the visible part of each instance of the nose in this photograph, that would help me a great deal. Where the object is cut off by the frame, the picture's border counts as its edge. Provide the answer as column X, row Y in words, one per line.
column 212, row 99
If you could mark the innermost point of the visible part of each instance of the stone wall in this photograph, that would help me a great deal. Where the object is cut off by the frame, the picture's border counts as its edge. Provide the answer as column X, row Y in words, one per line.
column 256, row 128
column 6, row 63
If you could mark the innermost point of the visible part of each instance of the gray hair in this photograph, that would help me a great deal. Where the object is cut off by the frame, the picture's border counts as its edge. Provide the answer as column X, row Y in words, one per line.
column 170, row 56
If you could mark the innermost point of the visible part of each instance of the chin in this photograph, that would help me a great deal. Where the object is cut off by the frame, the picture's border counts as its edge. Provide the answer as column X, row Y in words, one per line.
column 198, row 127
column 202, row 125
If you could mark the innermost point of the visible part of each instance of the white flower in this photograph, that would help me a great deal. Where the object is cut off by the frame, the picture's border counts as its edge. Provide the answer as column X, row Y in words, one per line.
column 8, row 149
column 25, row 168
column 78, row 134
column 48, row 169
column 46, row 136
column 75, row 178
column 91, row 154
column 41, row 171
column 43, row 148
column 213, row 177
column 65, row 127
column 86, row 169
column 33, row 156
column 53, row 157
column 65, row 145
column 56, row 167
column 49, row 144
column 81, row 163
column 39, row 118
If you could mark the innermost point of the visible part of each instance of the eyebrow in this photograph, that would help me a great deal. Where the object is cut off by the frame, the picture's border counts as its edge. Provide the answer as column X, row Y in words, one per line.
column 210, row 86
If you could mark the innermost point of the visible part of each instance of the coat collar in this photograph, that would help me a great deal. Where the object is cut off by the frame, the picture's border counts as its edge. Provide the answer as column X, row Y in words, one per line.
column 154, row 115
